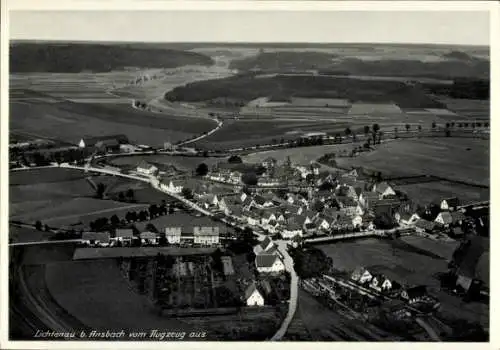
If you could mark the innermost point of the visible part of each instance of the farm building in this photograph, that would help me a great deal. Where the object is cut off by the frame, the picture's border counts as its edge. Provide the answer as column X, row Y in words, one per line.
column 361, row 275
column 109, row 141
column 407, row 218
column 170, row 186
column 206, row 235
column 124, row 234
column 253, row 297
column 423, row 225
column 263, row 246
column 383, row 190
column 95, row 238
column 146, row 169
column 269, row 162
column 414, row 294
column 444, row 218
column 173, row 235
column 148, row 237
column 472, row 260
column 380, row 283
column 449, row 203
column 269, row 263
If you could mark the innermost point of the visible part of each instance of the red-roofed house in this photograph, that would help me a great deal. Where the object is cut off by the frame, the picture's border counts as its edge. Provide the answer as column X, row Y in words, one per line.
column 269, row 263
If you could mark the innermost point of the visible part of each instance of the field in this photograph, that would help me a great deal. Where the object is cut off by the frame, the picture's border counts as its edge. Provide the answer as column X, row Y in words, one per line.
column 428, row 192
column 461, row 159
column 181, row 163
column 70, row 122
column 60, row 197
column 399, row 262
column 24, row 234
column 302, row 156
column 86, row 289
column 116, row 252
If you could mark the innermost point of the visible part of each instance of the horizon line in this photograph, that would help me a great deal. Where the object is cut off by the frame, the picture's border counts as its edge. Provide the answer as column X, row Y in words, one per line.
column 79, row 41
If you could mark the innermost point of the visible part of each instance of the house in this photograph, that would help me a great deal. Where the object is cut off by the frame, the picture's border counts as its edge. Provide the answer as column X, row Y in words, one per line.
column 227, row 265
column 88, row 142
column 315, row 168
column 209, row 200
column 444, row 219
column 414, row 294
column 173, row 235
column 124, row 234
column 187, row 236
column 449, row 203
column 366, row 198
column 383, row 190
column 407, row 218
column 261, row 202
column 148, row 238
column 269, row 263
column 322, row 222
column 380, row 283
column 361, row 275
column 423, row 225
column 146, row 169
column 263, row 246
column 253, row 219
column 269, row 162
column 96, row 238
column 253, row 297
column 206, row 235
column 357, row 221
column 292, row 229
column 472, row 261
column 311, row 228
column 367, row 222
column 171, row 187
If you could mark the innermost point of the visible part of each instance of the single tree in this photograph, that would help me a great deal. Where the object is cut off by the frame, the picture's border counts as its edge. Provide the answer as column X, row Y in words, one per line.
column 38, row 225
column 249, row 178
column 234, row 159
column 366, row 129
column 130, row 194
column 202, row 169
column 347, row 131
column 433, row 125
column 407, row 126
column 121, row 197
column 114, row 220
column 187, row 193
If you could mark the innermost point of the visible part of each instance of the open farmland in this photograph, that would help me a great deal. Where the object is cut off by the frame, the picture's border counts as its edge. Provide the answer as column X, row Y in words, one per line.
column 245, row 133
column 23, row 234
column 87, row 288
column 394, row 260
column 303, row 155
column 179, row 162
column 428, row 192
column 460, row 159
column 70, row 122
column 58, row 197
column 473, row 109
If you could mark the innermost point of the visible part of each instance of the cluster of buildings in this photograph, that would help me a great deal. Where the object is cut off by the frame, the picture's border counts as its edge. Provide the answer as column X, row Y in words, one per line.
column 206, row 236
column 331, row 202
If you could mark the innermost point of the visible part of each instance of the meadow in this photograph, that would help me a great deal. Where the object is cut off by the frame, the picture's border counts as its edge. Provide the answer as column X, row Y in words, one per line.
column 433, row 192
column 396, row 263
column 70, row 122
column 86, row 288
column 179, row 162
column 60, row 197
column 460, row 159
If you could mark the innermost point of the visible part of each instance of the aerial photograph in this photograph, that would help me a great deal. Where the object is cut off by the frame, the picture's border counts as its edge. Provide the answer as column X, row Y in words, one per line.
column 180, row 176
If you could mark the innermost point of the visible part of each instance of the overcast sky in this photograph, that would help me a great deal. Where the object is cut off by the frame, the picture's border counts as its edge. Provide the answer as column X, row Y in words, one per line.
column 450, row 27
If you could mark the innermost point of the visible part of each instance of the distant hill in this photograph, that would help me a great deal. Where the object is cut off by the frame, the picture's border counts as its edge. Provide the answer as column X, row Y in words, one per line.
column 454, row 67
column 78, row 57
